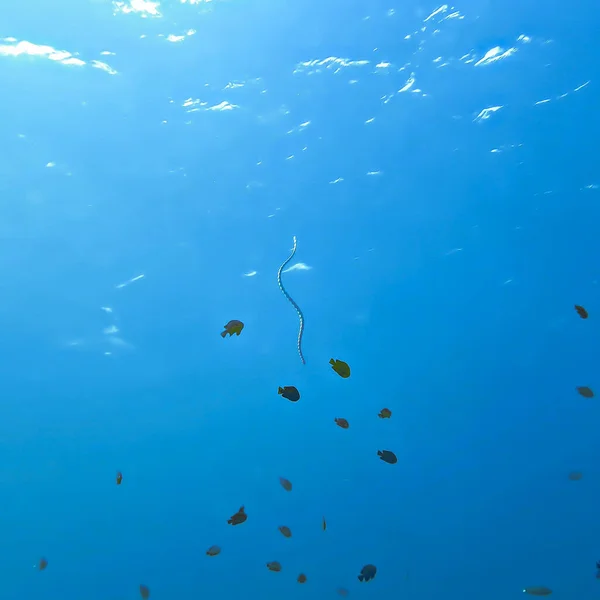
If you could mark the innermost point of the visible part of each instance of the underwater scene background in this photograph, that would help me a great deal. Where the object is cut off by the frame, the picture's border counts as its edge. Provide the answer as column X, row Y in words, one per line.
column 436, row 169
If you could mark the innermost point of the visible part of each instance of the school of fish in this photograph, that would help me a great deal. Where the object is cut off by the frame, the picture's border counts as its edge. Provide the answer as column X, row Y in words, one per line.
column 291, row 393
column 586, row 392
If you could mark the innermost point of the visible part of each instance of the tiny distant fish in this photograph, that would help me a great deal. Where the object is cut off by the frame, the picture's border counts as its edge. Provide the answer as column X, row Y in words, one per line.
column 285, row 484
column 340, row 367
column 285, row 531
column 575, row 475
column 581, row 311
column 119, row 477
column 301, row 578
column 367, row 573
column 213, row 551
column 324, row 524
column 585, row 391
column 274, row 566
column 538, row 591
column 289, row 392
column 385, row 413
column 42, row 564
column 342, row 423
column 239, row 517
column 387, row 456
column 232, row 327
column 144, row 592
column 343, row 592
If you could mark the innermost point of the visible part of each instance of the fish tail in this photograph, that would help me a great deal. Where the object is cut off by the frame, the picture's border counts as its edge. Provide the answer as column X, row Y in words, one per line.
column 361, row 578
column 280, row 390
column 223, row 333
column 332, row 362
column 379, row 453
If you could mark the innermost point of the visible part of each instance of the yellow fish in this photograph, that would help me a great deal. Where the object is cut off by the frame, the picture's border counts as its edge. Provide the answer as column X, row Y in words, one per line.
column 232, row 327
column 340, row 367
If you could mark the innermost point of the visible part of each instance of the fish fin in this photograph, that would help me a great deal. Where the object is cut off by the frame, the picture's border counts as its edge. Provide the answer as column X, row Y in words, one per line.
column 237, row 332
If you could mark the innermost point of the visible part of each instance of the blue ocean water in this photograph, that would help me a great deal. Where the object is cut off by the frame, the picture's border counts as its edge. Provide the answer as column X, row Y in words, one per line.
column 438, row 166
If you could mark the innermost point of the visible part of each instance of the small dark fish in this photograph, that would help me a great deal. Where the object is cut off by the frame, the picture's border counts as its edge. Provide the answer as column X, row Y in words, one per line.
column 575, row 475
column 233, row 327
column 324, row 524
column 581, row 311
column 289, row 392
column 119, row 477
column 239, row 517
column 42, row 564
column 538, row 591
column 343, row 592
column 213, row 551
column 144, row 592
column 342, row 423
column 367, row 573
column 585, row 391
column 301, row 578
column 340, row 367
column 274, row 566
column 385, row 413
column 285, row 484
column 387, row 456
column 285, row 531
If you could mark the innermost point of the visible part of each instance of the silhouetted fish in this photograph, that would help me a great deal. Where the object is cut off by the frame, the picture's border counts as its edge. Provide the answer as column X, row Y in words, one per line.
column 538, row 591
column 367, row 573
column 387, row 456
column 289, row 392
column 232, row 327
